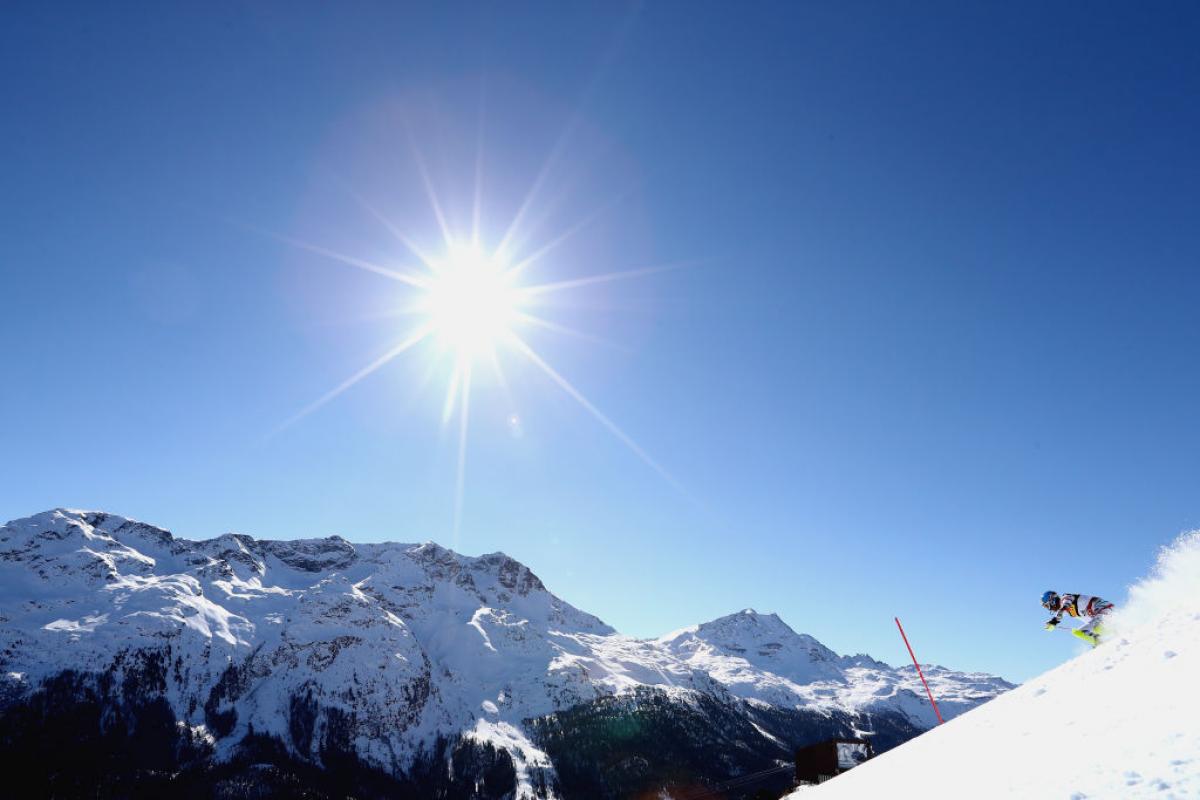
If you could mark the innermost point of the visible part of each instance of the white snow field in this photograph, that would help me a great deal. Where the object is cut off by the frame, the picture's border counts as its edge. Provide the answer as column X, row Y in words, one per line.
column 1119, row 721
column 412, row 640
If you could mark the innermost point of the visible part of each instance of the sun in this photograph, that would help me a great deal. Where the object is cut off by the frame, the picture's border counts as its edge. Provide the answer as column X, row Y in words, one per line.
column 470, row 303
column 473, row 306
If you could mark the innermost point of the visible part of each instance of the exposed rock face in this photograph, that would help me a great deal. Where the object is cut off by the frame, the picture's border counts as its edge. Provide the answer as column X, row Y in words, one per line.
column 235, row 666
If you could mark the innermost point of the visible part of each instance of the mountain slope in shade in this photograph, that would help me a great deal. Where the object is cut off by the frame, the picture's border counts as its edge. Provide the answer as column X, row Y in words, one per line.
column 388, row 660
column 1120, row 721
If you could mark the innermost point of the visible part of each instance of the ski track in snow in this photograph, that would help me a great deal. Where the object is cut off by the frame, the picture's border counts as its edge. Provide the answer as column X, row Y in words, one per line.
column 1120, row 721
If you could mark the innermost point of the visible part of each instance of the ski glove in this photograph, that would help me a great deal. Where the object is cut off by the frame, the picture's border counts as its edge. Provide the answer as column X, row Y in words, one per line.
column 1052, row 624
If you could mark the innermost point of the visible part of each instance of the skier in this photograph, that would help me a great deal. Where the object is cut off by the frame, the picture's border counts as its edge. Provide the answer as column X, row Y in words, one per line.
column 1077, row 605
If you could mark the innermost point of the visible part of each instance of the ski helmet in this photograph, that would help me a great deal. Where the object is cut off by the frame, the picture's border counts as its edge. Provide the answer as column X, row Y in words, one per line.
column 1050, row 600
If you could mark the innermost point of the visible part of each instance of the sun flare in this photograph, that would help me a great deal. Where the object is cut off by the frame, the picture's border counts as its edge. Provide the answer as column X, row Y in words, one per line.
column 473, row 306
column 470, row 303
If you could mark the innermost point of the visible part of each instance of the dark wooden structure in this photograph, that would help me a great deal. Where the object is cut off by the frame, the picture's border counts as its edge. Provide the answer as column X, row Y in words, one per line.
column 819, row 762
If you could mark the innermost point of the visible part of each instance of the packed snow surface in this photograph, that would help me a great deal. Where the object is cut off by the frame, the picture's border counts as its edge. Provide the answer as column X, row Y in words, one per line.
column 1119, row 721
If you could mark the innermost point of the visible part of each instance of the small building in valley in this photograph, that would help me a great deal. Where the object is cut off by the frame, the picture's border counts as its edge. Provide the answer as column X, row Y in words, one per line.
column 819, row 762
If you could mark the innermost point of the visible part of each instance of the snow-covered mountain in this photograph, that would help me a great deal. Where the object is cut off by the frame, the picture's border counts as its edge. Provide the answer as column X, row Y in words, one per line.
column 1118, row 722
column 401, row 669
column 758, row 658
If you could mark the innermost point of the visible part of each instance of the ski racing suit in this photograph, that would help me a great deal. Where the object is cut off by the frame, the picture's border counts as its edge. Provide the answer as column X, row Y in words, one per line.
column 1082, row 605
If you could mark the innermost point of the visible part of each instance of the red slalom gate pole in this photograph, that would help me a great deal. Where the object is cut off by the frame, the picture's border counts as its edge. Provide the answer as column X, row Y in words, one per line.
column 922, row 674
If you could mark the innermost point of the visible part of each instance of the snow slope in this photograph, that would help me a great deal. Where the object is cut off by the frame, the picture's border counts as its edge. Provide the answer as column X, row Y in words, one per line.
column 1119, row 721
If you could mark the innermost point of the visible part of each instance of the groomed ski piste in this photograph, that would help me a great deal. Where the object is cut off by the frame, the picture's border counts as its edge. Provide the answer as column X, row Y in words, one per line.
column 1119, row 721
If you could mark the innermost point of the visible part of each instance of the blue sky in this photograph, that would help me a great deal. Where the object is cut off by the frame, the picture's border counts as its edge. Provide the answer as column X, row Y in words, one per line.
column 930, row 347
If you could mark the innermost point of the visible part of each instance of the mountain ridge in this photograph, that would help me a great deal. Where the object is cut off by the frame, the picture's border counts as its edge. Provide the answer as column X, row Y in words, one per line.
column 386, row 652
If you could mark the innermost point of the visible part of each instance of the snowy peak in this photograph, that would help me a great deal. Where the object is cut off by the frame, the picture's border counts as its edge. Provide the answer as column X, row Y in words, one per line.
column 760, row 658
column 763, row 641
column 398, row 646
column 444, row 563
column 96, row 541
column 765, row 635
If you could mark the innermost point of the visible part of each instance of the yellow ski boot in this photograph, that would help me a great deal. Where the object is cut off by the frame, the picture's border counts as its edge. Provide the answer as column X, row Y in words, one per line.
column 1091, row 637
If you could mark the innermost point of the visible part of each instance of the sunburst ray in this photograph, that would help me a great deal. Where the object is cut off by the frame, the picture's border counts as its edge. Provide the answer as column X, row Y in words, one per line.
column 537, row 321
column 408, row 343
column 380, row 217
column 527, row 292
column 568, row 131
column 452, row 393
column 563, row 237
column 600, row 416
column 400, row 235
column 461, row 471
column 409, row 278
column 477, row 200
column 430, row 191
